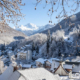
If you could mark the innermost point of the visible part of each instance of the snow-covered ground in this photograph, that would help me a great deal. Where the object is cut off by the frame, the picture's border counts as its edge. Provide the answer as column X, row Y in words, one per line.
column 68, row 38
column 75, row 76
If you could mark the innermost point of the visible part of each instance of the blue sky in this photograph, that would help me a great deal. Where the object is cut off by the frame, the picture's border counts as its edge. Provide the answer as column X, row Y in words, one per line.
column 38, row 16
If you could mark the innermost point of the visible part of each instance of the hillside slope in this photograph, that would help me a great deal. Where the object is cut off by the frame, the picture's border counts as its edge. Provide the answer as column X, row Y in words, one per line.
column 8, row 35
column 66, row 25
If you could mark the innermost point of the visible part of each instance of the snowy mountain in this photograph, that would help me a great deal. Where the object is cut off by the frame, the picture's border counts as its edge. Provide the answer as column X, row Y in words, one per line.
column 31, row 28
column 67, row 25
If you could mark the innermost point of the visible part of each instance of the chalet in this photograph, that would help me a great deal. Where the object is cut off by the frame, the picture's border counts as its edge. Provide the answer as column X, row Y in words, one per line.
column 75, row 65
column 62, row 71
column 50, row 62
column 67, row 67
column 46, row 63
column 28, row 74
column 25, row 55
column 40, row 62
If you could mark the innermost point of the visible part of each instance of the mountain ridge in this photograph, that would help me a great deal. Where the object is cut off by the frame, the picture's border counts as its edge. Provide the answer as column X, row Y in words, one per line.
column 8, row 34
column 31, row 29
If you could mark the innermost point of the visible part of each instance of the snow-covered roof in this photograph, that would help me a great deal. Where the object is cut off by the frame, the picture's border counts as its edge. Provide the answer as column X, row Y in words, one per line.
column 26, row 65
column 51, row 59
column 56, row 59
column 12, row 76
column 7, row 73
column 73, row 77
column 28, row 74
column 38, row 74
column 41, row 60
column 15, row 76
column 65, row 66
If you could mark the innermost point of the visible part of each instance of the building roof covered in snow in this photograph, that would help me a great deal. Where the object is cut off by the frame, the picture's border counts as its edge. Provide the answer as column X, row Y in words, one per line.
column 38, row 74
column 25, row 65
column 28, row 74
column 7, row 73
column 66, row 66
column 41, row 60
column 51, row 59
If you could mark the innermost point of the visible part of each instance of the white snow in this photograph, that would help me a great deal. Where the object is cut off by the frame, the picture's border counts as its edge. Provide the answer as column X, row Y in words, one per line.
column 51, row 59
column 77, row 59
column 29, row 26
column 41, row 60
column 26, row 65
column 65, row 66
column 8, row 72
column 38, row 74
column 73, row 77
column 68, row 38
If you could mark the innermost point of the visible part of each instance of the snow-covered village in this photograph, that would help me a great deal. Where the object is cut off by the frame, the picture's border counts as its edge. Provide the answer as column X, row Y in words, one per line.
column 43, row 49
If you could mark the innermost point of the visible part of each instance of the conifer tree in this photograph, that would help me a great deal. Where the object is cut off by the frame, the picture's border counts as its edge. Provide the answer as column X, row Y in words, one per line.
column 37, row 49
column 48, row 41
column 33, row 47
